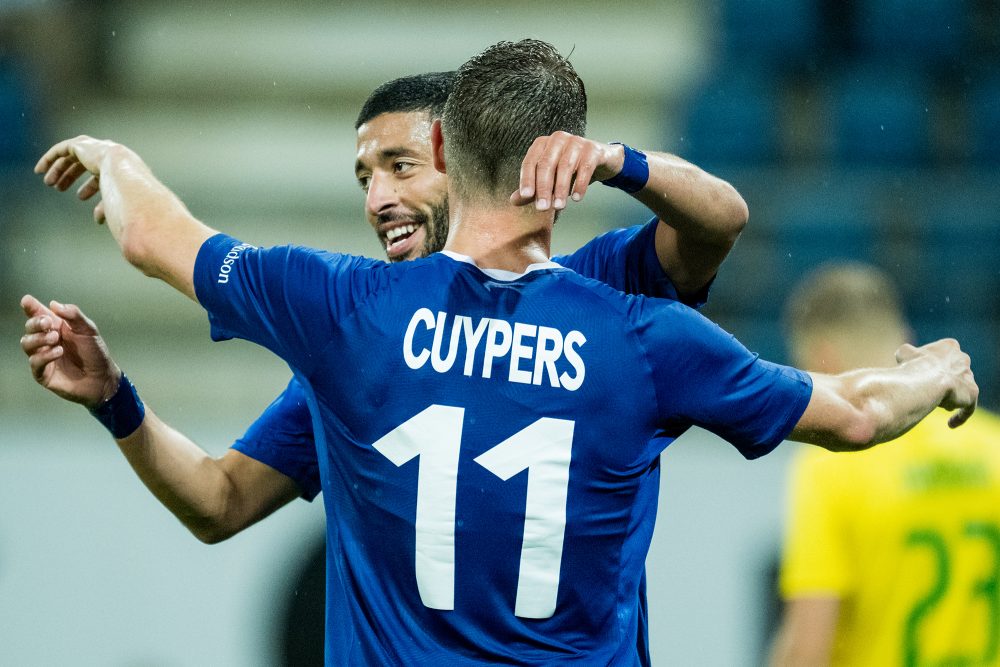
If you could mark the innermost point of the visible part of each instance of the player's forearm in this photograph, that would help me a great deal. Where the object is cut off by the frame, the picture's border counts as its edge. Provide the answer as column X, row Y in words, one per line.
column 899, row 397
column 152, row 226
column 183, row 477
column 701, row 207
column 880, row 404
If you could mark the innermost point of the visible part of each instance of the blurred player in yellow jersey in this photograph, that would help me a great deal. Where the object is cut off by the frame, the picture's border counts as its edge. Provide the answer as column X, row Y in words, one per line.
column 892, row 555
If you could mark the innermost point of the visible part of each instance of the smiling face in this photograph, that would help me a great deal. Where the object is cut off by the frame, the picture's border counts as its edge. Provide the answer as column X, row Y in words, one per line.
column 406, row 198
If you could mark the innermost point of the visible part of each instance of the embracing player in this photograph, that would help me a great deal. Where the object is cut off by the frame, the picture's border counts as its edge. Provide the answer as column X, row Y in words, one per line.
column 697, row 219
column 486, row 499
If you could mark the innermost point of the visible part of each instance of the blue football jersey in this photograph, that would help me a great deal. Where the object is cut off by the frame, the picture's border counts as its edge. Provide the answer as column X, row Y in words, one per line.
column 485, row 441
column 625, row 259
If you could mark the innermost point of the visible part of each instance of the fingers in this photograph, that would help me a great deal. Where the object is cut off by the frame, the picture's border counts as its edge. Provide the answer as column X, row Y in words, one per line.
column 545, row 163
column 31, row 306
column 99, row 213
column 60, row 150
column 67, row 151
column 41, row 358
column 90, row 188
column 967, row 396
column 34, row 342
column 526, row 189
column 557, row 168
column 566, row 171
column 72, row 172
column 74, row 318
column 961, row 416
column 63, row 172
column 589, row 160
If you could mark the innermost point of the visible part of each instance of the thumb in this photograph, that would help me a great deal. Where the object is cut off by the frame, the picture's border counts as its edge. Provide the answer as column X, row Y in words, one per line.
column 74, row 318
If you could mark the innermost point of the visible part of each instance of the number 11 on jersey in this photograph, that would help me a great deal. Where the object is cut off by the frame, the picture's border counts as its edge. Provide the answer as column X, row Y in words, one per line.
column 543, row 448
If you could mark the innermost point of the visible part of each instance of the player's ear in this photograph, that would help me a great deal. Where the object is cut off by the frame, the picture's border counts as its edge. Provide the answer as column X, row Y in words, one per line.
column 437, row 146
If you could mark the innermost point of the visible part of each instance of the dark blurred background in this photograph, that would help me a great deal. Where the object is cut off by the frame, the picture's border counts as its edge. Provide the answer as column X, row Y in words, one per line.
column 855, row 129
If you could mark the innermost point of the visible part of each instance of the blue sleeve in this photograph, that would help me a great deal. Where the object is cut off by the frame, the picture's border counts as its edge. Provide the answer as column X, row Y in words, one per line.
column 705, row 377
column 626, row 260
column 284, row 298
column 282, row 437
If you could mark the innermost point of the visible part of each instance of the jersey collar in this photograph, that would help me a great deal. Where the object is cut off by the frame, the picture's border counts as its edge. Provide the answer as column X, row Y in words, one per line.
column 500, row 274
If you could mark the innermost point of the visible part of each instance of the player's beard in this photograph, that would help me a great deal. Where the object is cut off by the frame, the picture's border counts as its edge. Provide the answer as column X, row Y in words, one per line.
column 436, row 227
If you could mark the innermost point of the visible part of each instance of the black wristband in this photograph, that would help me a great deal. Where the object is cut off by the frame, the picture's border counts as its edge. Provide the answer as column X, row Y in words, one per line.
column 634, row 173
column 123, row 413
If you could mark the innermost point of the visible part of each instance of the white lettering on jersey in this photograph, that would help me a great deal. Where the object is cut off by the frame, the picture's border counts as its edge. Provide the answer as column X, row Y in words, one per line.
column 531, row 351
column 229, row 260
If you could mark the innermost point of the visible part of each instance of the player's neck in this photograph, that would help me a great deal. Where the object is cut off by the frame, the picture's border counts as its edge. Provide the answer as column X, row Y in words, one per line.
column 499, row 236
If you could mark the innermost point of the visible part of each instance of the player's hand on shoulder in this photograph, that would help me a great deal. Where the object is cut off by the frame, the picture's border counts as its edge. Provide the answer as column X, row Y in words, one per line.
column 66, row 353
column 559, row 167
column 962, row 393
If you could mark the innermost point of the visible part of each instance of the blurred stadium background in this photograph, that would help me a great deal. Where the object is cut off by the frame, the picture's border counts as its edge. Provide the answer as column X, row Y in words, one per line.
column 864, row 129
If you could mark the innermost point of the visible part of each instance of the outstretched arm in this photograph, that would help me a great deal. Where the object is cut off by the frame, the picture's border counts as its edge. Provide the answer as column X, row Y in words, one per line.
column 214, row 498
column 861, row 408
column 701, row 216
column 152, row 226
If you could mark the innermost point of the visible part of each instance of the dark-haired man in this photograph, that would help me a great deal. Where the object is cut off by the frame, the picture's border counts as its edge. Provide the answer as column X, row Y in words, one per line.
column 486, row 500
column 406, row 204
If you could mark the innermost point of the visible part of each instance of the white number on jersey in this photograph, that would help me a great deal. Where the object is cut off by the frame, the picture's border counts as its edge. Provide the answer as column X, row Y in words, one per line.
column 543, row 449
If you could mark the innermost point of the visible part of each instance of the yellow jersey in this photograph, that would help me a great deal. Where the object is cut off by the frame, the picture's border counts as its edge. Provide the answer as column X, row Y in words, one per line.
column 907, row 535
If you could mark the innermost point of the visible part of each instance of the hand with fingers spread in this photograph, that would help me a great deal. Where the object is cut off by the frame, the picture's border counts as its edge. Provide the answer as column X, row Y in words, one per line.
column 67, row 354
column 559, row 167
column 66, row 161
column 955, row 366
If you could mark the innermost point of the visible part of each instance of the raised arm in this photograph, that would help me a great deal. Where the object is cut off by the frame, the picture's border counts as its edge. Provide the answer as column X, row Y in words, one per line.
column 152, row 226
column 861, row 408
column 701, row 215
column 214, row 498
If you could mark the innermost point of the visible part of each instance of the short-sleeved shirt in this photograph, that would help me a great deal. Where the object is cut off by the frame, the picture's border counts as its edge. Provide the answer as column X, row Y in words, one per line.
column 625, row 259
column 907, row 537
column 486, row 500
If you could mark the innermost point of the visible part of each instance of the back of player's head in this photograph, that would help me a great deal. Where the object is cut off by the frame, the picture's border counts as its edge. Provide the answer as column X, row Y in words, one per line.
column 420, row 92
column 853, row 306
column 503, row 99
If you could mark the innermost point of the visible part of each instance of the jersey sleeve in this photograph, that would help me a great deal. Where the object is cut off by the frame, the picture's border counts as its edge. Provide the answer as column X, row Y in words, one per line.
column 705, row 377
column 815, row 560
column 626, row 260
column 287, row 298
column 282, row 438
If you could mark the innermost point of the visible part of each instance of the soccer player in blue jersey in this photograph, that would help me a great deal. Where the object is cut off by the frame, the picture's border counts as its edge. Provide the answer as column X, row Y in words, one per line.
column 674, row 256
column 486, row 500
column 406, row 204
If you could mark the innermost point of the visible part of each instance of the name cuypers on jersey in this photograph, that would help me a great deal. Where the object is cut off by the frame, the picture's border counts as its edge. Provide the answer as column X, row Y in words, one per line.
column 532, row 350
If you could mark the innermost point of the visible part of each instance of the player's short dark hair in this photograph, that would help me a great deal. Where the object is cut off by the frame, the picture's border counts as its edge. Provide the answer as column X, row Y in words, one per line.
column 420, row 92
column 502, row 100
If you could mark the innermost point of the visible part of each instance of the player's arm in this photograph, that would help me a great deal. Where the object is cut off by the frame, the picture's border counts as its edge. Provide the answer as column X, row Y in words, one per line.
column 701, row 216
column 152, row 226
column 214, row 498
column 805, row 637
column 861, row 408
